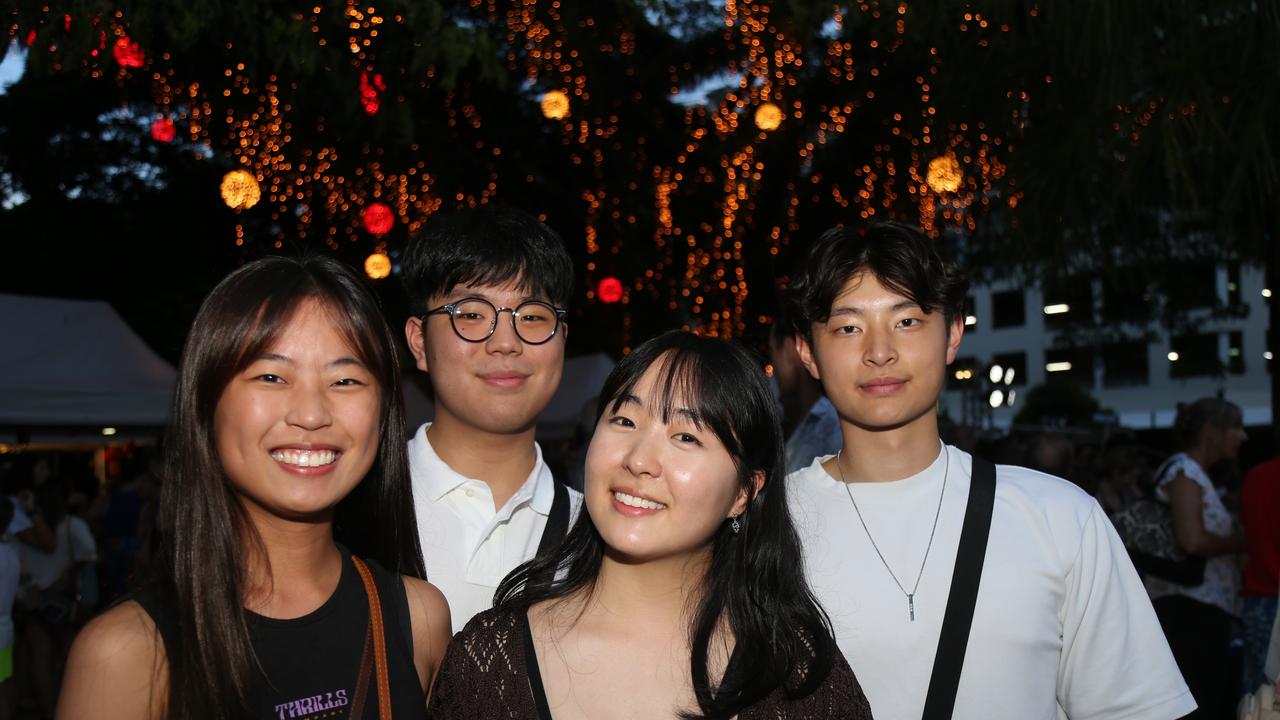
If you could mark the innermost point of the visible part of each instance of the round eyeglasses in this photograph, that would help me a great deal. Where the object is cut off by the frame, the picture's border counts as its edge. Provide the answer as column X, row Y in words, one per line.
column 475, row 319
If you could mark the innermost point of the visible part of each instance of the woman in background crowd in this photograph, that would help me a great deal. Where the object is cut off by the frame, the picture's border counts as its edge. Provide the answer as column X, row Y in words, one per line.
column 1198, row 619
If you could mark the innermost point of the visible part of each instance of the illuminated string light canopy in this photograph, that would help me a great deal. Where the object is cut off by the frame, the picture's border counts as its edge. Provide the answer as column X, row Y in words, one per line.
column 128, row 53
column 944, row 174
column 377, row 266
column 377, row 218
column 240, row 190
column 555, row 105
column 609, row 290
column 768, row 116
column 163, row 130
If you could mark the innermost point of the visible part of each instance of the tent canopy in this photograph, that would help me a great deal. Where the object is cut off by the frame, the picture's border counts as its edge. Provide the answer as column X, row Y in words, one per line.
column 72, row 363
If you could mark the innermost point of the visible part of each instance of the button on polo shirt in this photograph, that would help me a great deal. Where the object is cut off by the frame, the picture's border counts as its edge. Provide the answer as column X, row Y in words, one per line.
column 467, row 544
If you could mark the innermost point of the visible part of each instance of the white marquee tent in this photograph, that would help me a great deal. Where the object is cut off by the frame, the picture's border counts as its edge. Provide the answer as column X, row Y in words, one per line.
column 74, row 365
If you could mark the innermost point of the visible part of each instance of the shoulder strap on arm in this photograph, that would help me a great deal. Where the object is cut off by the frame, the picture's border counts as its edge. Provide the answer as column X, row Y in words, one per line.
column 958, row 618
column 557, row 520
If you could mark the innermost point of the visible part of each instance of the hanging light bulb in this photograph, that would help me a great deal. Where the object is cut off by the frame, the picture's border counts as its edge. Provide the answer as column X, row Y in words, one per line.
column 240, row 189
column 377, row 266
column 555, row 105
column 768, row 116
column 944, row 174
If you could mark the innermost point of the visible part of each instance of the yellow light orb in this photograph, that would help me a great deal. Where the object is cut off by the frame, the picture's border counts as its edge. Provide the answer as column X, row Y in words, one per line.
column 944, row 174
column 768, row 116
column 377, row 266
column 555, row 105
column 240, row 190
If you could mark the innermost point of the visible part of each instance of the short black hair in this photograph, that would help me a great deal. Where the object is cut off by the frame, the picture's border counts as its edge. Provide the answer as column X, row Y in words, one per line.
column 901, row 258
column 486, row 245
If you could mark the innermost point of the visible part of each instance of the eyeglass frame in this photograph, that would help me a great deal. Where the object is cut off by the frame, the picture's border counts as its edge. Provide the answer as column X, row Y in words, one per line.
column 450, row 308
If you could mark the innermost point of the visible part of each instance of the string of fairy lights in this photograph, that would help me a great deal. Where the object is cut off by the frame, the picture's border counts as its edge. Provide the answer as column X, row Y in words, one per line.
column 698, row 265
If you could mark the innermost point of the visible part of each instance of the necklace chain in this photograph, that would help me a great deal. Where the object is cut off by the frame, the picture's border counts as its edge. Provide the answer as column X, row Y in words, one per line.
column 911, row 596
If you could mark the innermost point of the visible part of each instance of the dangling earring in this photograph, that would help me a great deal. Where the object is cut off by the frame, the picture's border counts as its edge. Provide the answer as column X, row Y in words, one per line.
column 735, row 526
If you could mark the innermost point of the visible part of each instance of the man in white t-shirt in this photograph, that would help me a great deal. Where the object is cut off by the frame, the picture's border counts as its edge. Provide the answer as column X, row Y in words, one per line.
column 1062, row 626
column 488, row 289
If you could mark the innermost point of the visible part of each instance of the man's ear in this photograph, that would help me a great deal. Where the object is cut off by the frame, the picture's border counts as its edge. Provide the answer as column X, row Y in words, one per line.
column 955, row 333
column 414, row 337
column 757, row 481
column 805, row 350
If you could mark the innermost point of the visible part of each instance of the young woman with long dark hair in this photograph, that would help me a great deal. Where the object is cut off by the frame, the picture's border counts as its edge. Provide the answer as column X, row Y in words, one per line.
column 680, row 590
column 285, row 466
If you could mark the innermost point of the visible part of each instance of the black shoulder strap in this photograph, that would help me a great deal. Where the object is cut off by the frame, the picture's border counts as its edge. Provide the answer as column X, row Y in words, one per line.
column 954, row 637
column 557, row 521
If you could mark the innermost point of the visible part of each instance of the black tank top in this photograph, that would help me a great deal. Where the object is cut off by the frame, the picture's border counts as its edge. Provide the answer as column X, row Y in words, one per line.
column 311, row 664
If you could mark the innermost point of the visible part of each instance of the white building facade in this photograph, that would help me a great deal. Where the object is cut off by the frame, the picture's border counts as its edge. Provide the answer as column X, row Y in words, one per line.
column 1140, row 371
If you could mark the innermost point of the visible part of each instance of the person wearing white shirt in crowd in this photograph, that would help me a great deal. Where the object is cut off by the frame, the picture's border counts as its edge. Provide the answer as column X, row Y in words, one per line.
column 487, row 289
column 1062, row 626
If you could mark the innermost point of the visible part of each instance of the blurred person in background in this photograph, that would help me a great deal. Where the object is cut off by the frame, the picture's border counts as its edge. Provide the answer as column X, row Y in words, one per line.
column 50, row 595
column 1260, row 517
column 809, row 420
column 1198, row 619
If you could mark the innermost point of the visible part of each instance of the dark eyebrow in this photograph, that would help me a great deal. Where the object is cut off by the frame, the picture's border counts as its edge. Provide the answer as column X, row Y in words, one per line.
column 464, row 292
column 897, row 307
column 683, row 412
column 627, row 399
column 344, row 361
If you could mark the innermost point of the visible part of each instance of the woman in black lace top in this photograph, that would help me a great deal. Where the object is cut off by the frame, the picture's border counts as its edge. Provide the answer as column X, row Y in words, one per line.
column 680, row 591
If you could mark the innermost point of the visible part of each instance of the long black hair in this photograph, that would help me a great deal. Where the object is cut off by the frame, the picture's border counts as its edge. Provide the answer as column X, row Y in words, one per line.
column 198, row 578
column 755, row 579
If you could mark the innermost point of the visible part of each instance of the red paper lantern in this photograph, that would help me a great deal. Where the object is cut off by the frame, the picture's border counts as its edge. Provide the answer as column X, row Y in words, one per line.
column 128, row 53
column 377, row 218
column 609, row 290
column 369, row 90
column 162, row 130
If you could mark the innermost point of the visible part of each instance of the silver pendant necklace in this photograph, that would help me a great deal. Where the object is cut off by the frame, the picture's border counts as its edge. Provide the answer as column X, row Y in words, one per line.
column 911, row 596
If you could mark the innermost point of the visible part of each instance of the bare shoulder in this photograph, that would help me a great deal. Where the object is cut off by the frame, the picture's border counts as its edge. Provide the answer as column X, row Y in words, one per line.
column 426, row 604
column 431, row 626
column 115, row 669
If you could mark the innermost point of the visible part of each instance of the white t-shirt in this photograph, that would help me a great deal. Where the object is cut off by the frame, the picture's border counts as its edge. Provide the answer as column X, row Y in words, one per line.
column 10, row 569
column 1221, row 586
column 467, row 545
column 73, row 544
column 1062, row 626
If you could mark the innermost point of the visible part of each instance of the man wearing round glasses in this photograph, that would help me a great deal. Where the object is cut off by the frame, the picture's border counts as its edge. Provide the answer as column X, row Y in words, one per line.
column 487, row 289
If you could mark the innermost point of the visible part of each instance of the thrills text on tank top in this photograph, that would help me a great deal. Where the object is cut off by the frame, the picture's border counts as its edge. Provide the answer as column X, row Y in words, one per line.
column 312, row 663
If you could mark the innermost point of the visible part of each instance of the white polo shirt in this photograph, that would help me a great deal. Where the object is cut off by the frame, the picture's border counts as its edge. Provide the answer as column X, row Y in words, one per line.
column 1062, row 626
column 467, row 544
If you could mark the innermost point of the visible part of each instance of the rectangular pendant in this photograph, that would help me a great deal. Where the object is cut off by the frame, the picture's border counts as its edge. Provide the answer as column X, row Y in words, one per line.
column 911, row 607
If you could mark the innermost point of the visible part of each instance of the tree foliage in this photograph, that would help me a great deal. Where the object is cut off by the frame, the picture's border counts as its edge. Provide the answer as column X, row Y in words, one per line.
column 1127, row 141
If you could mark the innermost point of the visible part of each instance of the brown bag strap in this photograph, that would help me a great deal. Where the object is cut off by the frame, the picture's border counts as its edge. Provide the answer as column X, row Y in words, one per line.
column 379, row 639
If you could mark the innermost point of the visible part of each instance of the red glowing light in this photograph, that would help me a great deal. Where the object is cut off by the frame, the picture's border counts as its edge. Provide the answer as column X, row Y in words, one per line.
column 162, row 130
column 377, row 218
column 369, row 89
column 609, row 290
column 128, row 53
column 31, row 38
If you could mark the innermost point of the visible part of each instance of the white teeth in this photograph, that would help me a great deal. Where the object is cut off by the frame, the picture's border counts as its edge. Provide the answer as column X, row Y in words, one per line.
column 304, row 458
column 633, row 501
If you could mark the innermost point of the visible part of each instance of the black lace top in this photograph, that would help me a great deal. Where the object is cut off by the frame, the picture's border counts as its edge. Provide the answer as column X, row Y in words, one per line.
column 490, row 672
